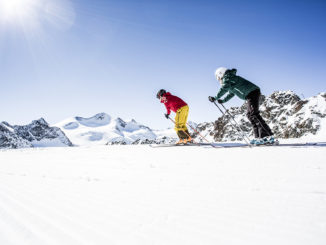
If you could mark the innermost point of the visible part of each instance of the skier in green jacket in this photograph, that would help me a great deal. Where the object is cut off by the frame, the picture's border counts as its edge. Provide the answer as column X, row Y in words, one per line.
column 236, row 85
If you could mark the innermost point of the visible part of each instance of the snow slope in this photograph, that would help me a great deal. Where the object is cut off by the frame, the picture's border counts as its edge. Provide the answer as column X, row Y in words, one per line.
column 128, row 195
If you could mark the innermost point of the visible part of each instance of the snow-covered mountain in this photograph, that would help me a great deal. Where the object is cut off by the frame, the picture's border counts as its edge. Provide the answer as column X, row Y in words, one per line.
column 284, row 111
column 102, row 129
column 36, row 134
column 9, row 139
column 287, row 114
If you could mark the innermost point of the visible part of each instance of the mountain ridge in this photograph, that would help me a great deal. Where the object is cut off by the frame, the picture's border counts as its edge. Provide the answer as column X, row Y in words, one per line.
column 286, row 113
column 36, row 134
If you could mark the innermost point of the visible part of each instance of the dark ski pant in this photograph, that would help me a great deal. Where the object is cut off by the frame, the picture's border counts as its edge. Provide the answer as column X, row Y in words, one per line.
column 261, row 129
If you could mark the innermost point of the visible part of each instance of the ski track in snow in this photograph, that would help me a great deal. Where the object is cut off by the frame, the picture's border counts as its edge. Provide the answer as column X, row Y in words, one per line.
column 162, row 196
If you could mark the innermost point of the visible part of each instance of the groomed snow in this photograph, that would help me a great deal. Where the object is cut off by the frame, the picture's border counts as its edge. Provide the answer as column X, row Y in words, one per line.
column 163, row 196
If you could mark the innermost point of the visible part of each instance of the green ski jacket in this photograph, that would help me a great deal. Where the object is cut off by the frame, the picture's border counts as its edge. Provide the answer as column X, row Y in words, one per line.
column 235, row 85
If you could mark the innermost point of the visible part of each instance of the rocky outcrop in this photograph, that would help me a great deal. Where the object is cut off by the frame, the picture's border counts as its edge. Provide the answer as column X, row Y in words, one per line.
column 9, row 139
column 38, row 133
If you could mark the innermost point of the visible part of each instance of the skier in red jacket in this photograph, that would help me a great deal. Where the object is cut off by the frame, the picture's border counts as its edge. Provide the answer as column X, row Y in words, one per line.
column 177, row 105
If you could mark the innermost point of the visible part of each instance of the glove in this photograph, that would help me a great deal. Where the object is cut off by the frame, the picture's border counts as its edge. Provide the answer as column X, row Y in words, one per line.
column 167, row 116
column 220, row 101
column 211, row 98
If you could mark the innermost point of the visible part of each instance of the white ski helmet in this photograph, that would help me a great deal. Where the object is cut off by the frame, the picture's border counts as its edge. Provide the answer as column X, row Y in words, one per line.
column 219, row 73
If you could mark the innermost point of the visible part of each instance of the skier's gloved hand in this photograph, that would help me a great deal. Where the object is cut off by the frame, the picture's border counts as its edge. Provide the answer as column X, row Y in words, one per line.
column 211, row 98
column 220, row 101
column 167, row 115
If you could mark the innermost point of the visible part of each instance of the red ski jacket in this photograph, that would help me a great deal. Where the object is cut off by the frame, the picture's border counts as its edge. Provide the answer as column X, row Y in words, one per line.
column 172, row 102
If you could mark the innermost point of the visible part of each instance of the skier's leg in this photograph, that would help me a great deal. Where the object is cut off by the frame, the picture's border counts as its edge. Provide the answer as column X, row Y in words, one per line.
column 182, row 134
column 178, row 127
column 187, row 133
column 252, row 107
column 264, row 129
column 179, row 135
column 184, row 112
column 261, row 129
column 189, row 138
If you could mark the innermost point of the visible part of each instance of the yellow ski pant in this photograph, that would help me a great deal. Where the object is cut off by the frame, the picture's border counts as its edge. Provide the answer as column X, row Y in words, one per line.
column 181, row 119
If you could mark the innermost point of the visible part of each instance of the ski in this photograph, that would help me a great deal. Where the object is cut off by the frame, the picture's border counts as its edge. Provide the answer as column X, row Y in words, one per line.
column 235, row 145
column 317, row 144
column 241, row 145
column 178, row 145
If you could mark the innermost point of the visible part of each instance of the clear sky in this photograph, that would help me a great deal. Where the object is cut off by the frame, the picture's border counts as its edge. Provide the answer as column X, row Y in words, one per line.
column 63, row 58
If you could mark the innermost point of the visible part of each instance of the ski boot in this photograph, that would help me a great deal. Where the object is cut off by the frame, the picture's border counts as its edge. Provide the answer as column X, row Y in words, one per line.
column 252, row 142
column 256, row 141
column 269, row 140
column 189, row 140
column 182, row 142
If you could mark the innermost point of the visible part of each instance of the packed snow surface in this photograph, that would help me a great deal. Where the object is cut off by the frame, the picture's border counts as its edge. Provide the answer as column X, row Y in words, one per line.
column 163, row 196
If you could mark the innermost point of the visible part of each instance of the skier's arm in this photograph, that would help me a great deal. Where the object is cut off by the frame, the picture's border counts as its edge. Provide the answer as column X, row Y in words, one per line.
column 222, row 91
column 228, row 97
column 168, row 110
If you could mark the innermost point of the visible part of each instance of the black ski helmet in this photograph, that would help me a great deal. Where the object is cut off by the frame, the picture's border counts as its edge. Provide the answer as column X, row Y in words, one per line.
column 160, row 93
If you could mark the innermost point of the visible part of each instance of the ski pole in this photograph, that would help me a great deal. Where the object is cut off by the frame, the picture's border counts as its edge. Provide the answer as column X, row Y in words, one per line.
column 197, row 132
column 237, row 127
column 235, row 122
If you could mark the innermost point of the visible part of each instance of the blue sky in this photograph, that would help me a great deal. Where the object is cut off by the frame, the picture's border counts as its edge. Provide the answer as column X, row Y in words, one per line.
column 113, row 56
